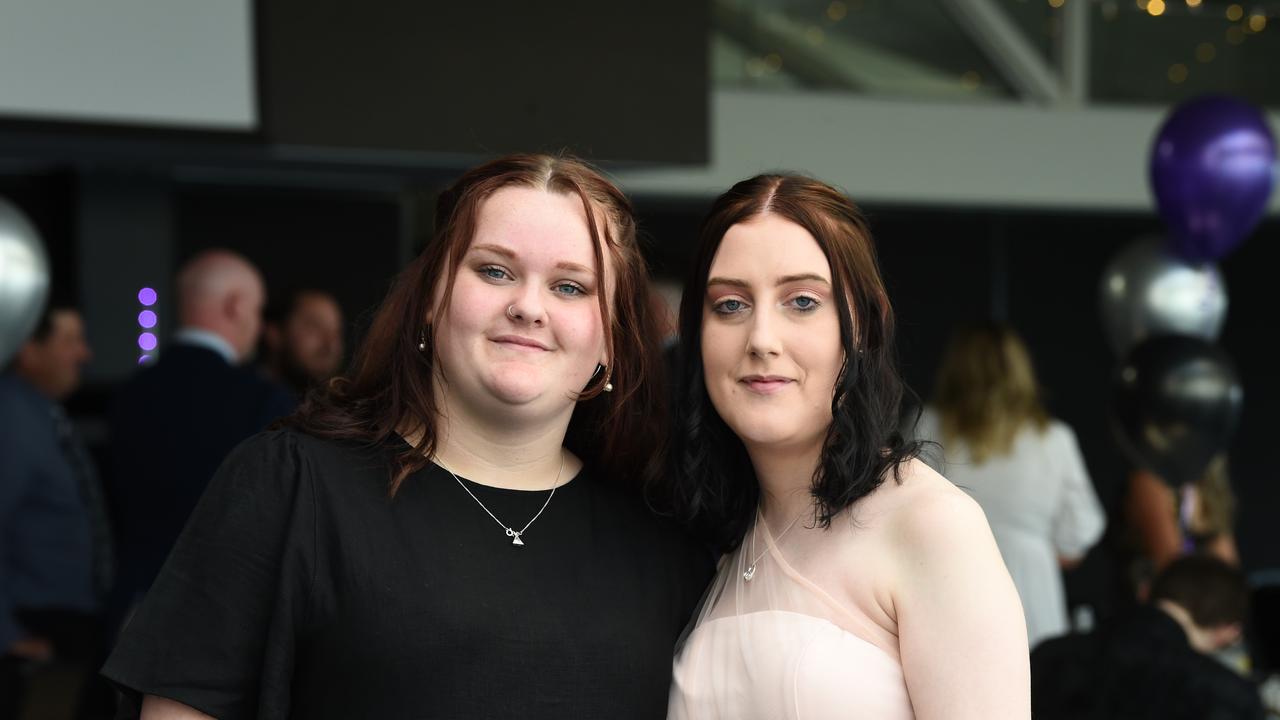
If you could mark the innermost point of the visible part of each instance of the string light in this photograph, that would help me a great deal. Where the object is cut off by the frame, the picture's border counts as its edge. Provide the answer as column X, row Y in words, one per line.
column 1155, row 8
column 1205, row 52
column 1193, row 3
column 837, row 10
column 1257, row 22
column 1177, row 73
column 1234, row 12
column 1057, row 3
column 147, row 341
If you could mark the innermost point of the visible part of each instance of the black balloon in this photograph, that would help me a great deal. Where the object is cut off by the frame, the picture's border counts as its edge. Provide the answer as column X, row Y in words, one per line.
column 1177, row 403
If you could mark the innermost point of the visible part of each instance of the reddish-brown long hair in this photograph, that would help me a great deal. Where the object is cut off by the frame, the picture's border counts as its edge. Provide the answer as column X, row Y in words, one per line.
column 389, row 386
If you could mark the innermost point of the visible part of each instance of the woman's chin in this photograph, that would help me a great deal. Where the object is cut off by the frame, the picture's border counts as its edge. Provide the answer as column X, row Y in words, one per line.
column 770, row 435
column 522, row 391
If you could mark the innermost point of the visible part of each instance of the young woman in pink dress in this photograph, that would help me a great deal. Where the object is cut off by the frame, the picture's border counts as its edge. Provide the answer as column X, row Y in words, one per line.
column 857, row 582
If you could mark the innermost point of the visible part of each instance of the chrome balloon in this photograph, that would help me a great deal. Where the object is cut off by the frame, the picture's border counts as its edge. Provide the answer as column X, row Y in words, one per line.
column 24, row 279
column 1177, row 402
column 1147, row 291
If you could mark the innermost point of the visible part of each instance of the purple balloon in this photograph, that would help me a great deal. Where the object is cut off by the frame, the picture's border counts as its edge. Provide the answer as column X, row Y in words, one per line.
column 1211, row 171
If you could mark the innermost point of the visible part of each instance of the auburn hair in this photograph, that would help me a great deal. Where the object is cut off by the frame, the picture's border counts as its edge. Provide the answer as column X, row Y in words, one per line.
column 389, row 388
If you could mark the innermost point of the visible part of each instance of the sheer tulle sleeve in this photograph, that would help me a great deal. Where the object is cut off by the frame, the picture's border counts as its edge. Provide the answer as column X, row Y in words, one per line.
column 770, row 643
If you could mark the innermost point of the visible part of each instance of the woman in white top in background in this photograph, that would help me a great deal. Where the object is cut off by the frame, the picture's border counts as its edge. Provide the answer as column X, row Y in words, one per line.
column 1023, row 467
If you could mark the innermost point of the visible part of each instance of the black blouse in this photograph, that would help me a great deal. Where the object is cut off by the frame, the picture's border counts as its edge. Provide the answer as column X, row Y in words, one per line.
column 300, row 589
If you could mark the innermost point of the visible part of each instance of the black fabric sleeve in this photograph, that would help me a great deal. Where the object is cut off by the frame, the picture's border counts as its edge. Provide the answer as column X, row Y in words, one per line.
column 217, row 629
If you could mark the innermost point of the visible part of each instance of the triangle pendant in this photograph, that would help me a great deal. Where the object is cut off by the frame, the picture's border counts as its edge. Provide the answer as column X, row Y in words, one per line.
column 516, row 539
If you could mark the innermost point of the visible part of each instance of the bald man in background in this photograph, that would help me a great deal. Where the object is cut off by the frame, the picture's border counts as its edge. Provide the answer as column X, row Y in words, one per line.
column 176, row 420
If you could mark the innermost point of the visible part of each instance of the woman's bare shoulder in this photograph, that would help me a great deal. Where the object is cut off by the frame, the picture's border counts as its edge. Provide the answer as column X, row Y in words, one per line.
column 924, row 511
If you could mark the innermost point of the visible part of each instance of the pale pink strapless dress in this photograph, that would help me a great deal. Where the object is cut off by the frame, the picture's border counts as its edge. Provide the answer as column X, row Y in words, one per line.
column 780, row 647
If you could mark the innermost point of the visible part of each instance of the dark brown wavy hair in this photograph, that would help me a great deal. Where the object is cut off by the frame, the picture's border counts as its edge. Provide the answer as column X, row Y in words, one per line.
column 389, row 387
column 712, row 483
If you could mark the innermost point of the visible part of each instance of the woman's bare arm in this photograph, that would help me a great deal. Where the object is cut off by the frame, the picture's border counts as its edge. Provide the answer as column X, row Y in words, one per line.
column 960, row 624
column 1152, row 510
column 155, row 707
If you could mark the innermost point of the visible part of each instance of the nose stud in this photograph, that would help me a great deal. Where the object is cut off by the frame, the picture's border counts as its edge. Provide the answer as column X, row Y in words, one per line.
column 511, row 312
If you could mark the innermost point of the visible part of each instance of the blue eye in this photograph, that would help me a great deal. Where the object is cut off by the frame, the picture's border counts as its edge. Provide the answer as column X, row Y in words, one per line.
column 805, row 303
column 569, row 289
column 494, row 272
column 728, row 307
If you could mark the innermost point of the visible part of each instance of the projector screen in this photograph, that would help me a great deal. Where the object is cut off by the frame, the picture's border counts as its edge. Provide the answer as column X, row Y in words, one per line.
column 182, row 64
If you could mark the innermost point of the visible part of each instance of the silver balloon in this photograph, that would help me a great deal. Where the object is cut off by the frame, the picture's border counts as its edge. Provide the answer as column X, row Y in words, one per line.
column 1146, row 291
column 24, row 279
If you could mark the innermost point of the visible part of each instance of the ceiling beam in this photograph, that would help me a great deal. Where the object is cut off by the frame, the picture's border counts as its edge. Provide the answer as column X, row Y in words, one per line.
column 1008, row 49
column 1075, row 53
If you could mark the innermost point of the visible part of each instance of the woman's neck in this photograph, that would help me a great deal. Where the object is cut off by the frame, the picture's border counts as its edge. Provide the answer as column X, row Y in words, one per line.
column 519, row 456
column 785, row 475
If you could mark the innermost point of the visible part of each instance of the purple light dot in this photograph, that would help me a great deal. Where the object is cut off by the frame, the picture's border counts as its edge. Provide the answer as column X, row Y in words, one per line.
column 147, row 341
column 147, row 296
column 147, row 319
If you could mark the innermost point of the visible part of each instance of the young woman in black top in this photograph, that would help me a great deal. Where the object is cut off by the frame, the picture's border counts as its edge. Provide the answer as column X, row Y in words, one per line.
column 451, row 531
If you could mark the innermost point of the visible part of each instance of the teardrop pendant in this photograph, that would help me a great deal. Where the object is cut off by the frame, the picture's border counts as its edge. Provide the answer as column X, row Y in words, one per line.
column 750, row 573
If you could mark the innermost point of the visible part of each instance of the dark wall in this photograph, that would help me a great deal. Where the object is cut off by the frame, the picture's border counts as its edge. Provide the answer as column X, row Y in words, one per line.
column 348, row 243
column 611, row 81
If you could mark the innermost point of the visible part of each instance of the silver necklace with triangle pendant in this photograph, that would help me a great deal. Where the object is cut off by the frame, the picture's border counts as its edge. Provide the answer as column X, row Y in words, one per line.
column 511, row 532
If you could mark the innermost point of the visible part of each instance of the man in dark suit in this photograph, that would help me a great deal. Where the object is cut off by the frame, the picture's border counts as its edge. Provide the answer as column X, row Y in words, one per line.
column 176, row 420
column 55, row 540
column 1156, row 662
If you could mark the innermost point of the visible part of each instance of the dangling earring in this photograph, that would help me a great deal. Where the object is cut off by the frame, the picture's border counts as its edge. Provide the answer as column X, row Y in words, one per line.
column 608, row 386
column 422, row 340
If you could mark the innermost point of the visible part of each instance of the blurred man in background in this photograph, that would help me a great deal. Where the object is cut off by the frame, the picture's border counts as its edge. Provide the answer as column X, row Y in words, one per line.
column 1156, row 662
column 303, row 340
column 56, row 559
column 176, row 420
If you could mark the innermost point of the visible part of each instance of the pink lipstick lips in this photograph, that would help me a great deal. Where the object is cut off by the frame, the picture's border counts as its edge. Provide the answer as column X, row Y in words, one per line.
column 765, row 384
column 519, row 342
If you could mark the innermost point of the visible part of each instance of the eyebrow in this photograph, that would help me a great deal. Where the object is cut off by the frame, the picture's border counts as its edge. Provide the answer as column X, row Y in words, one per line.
column 785, row 279
column 510, row 255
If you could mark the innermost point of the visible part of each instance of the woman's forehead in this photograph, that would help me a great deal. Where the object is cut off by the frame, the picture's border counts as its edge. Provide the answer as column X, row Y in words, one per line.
column 769, row 245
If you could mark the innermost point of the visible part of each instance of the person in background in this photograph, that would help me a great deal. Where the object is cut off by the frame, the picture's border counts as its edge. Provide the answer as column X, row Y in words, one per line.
column 1023, row 467
column 1155, row 662
column 56, row 558
column 1167, row 523
column 303, row 340
column 175, row 421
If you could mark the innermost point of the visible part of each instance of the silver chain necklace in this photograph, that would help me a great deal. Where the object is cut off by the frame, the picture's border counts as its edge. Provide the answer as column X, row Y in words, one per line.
column 751, row 569
column 511, row 532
